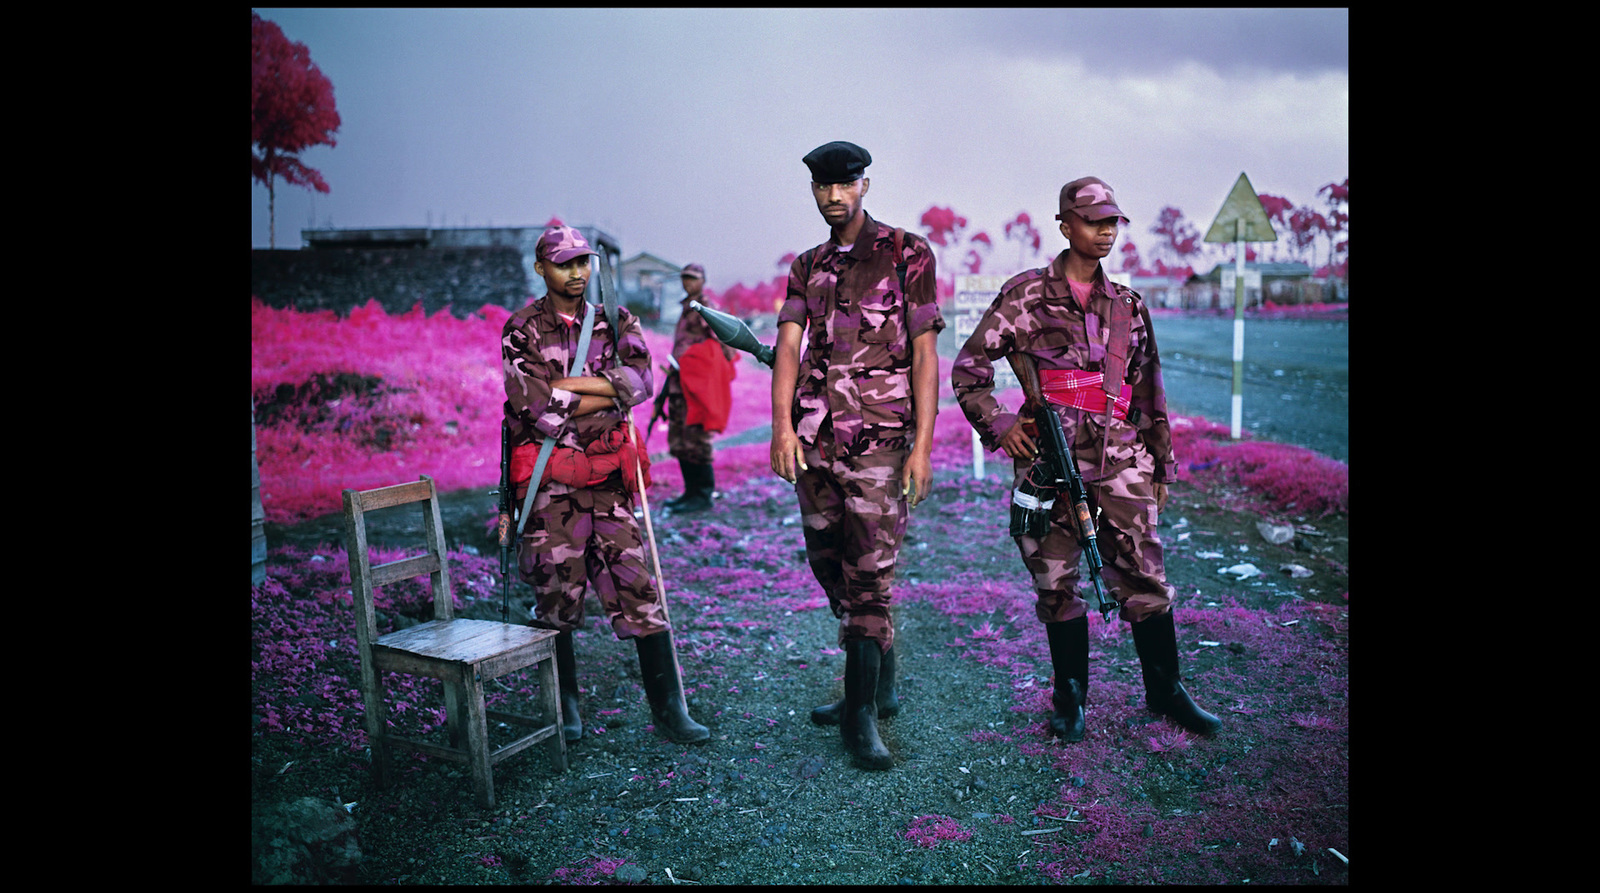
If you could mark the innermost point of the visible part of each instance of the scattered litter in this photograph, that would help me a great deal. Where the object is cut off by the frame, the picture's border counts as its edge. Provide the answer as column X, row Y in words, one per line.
column 1243, row 571
column 1210, row 644
column 1040, row 831
column 1276, row 534
column 1208, row 556
column 1339, row 854
column 1296, row 571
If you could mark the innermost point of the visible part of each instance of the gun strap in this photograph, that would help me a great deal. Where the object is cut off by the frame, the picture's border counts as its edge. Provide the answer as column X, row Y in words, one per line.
column 1115, row 368
column 549, row 445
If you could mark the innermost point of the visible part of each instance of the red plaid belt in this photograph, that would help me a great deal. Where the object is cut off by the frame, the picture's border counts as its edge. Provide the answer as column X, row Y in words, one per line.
column 1082, row 390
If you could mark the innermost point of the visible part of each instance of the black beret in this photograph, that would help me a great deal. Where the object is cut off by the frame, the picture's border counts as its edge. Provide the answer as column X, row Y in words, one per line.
column 837, row 162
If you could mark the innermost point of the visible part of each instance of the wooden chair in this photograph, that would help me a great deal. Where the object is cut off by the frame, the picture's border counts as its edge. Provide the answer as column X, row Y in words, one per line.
column 462, row 653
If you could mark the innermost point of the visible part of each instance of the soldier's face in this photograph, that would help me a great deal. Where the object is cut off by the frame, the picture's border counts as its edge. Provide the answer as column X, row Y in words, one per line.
column 1091, row 238
column 839, row 202
column 567, row 280
column 692, row 286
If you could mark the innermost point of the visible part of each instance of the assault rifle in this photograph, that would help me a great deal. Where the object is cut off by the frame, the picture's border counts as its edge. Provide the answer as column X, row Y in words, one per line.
column 660, row 411
column 732, row 331
column 1057, row 453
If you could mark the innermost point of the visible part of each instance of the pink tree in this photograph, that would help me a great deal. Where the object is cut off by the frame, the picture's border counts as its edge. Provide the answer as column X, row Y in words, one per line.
column 291, row 110
column 1180, row 240
column 1021, row 229
column 1130, row 258
column 945, row 228
column 1337, row 197
column 974, row 260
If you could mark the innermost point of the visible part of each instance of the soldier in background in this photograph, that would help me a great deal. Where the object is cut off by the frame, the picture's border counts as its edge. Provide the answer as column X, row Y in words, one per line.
column 1067, row 317
column 707, row 380
column 580, row 533
column 853, row 407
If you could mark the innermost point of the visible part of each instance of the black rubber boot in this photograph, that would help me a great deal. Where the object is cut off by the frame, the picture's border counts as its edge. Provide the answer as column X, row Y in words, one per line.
column 697, row 485
column 888, row 700
column 567, row 672
column 658, row 664
column 1069, row 655
column 1156, row 640
column 688, row 470
column 858, row 723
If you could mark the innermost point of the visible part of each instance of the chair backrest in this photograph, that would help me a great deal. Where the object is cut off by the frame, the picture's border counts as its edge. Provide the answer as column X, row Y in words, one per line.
column 364, row 577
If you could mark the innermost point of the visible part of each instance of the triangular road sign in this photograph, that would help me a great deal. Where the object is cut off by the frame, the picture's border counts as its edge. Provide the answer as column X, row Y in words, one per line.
column 1242, row 206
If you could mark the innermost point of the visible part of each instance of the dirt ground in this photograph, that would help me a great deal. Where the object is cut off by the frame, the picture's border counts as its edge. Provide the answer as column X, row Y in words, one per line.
column 979, row 792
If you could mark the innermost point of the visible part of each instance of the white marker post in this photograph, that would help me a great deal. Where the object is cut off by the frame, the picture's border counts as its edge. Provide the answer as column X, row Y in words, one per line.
column 1241, row 219
column 973, row 295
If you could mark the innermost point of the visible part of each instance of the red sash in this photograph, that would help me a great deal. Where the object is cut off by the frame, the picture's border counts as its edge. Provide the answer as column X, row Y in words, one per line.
column 1082, row 390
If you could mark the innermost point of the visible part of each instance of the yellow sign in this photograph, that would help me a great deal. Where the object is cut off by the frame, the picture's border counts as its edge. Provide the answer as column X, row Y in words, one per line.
column 1242, row 206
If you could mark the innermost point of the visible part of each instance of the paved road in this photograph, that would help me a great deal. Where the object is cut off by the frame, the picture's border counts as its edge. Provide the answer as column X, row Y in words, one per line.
column 1296, row 377
column 1296, row 381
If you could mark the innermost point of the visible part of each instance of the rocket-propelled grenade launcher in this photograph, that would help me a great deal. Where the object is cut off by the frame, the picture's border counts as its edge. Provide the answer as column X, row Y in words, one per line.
column 732, row 331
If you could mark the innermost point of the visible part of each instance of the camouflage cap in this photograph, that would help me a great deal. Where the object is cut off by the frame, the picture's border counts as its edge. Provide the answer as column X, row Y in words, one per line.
column 1090, row 198
column 560, row 244
column 837, row 162
column 694, row 270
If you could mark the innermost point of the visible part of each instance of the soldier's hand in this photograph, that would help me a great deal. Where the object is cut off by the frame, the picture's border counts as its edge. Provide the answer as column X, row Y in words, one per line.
column 1017, row 444
column 1161, row 498
column 787, row 456
column 916, row 480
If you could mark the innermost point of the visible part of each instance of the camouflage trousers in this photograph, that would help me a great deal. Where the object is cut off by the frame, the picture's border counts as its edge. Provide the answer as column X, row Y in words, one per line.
column 583, row 539
column 1134, row 573
column 689, row 444
column 854, row 518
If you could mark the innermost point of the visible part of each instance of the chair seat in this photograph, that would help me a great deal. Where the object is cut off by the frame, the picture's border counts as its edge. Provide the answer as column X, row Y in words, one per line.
column 465, row 641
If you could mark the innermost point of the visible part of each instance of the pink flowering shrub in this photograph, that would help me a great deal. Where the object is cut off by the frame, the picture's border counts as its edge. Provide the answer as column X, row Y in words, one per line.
column 931, row 830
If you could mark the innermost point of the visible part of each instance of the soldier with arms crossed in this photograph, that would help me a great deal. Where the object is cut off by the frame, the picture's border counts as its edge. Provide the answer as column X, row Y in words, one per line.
column 580, row 533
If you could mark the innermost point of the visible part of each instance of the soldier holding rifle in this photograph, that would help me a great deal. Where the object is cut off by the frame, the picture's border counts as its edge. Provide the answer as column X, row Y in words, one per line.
column 1087, row 338
column 855, row 387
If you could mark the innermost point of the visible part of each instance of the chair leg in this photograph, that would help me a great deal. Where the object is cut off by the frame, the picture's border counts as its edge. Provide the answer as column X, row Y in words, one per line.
column 550, row 695
column 372, row 697
column 453, row 715
column 477, row 729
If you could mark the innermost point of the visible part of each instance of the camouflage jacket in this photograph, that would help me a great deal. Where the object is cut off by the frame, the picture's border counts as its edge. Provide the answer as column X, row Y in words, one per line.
column 855, row 365
column 536, row 347
column 1036, row 313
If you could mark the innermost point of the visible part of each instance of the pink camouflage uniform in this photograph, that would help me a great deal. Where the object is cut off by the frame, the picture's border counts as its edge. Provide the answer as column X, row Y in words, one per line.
column 579, row 537
column 1037, row 314
column 854, row 415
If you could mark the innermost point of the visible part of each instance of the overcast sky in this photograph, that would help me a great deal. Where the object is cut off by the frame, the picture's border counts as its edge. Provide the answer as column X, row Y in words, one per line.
column 681, row 131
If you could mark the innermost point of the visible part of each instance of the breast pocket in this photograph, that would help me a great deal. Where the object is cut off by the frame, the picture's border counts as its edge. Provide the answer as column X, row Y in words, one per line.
column 882, row 316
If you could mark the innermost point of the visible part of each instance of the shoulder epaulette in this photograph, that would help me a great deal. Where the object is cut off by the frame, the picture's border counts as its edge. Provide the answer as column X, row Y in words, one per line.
column 1022, row 279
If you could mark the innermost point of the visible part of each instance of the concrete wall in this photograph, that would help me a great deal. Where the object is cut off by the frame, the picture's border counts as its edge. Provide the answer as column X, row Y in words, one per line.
column 341, row 279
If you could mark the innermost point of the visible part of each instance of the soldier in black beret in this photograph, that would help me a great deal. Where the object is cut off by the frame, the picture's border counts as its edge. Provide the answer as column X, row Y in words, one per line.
column 855, row 388
column 837, row 162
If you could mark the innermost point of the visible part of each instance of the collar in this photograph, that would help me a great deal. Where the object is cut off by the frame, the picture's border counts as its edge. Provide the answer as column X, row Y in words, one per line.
column 862, row 249
column 1056, row 288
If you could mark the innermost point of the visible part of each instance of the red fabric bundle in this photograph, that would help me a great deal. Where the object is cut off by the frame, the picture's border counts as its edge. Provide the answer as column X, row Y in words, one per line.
column 707, row 376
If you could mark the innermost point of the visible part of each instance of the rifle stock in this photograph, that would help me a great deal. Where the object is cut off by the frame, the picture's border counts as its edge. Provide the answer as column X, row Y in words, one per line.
column 1057, row 452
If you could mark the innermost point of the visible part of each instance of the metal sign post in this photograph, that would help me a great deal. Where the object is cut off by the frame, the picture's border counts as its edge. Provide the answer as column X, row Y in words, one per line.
column 1241, row 219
